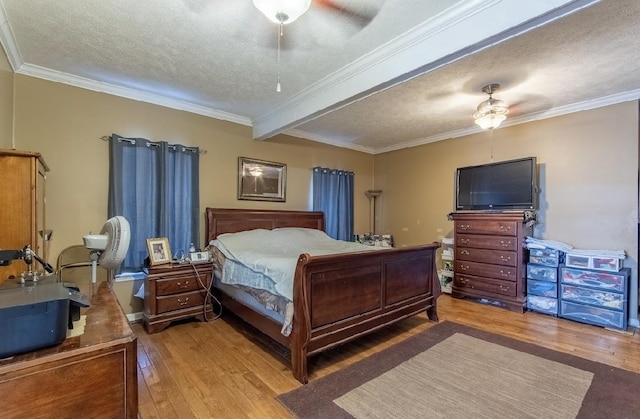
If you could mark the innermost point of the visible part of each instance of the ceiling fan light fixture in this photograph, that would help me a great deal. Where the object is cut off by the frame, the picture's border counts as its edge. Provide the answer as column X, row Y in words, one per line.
column 282, row 11
column 492, row 112
column 490, row 120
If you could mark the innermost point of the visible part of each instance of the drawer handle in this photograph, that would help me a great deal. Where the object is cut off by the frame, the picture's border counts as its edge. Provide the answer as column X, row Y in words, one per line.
column 505, row 259
column 464, row 226
column 503, row 273
column 183, row 303
column 464, row 241
column 505, row 244
column 504, row 288
column 464, row 267
column 186, row 284
column 463, row 280
column 464, row 252
column 505, row 227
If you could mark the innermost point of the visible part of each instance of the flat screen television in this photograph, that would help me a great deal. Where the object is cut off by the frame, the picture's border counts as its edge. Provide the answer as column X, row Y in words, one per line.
column 505, row 185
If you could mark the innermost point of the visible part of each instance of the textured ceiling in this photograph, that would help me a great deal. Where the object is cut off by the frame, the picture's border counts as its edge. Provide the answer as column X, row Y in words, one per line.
column 372, row 75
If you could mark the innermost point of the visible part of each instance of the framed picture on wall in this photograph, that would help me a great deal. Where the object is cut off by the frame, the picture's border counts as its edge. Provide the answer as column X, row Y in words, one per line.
column 261, row 180
column 159, row 251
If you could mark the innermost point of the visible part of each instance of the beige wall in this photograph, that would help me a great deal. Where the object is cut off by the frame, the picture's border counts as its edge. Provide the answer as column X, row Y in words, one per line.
column 65, row 124
column 588, row 167
column 6, row 101
column 588, row 163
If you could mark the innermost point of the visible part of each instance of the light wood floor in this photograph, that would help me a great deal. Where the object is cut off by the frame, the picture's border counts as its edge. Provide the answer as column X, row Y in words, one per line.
column 220, row 370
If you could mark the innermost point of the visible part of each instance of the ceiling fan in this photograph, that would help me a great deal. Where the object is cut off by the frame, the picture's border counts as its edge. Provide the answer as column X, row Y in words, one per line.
column 317, row 22
column 285, row 12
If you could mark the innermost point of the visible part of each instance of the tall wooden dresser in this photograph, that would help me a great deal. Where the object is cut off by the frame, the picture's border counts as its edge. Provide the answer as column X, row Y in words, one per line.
column 22, row 213
column 490, row 256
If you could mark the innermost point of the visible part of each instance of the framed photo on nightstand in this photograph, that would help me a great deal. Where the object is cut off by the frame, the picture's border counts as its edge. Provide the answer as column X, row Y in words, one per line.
column 159, row 251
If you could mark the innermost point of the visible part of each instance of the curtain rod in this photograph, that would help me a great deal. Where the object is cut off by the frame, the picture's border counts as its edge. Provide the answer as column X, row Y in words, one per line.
column 131, row 140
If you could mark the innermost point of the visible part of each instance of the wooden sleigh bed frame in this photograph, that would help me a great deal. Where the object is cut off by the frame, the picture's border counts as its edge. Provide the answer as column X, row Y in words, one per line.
column 336, row 298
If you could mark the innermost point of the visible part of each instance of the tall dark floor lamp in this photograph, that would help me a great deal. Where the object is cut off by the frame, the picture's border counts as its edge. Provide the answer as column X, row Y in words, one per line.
column 373, row 194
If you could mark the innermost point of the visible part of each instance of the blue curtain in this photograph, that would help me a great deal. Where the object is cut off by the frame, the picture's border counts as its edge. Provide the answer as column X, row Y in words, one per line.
column 333, row 194
column 155, row 186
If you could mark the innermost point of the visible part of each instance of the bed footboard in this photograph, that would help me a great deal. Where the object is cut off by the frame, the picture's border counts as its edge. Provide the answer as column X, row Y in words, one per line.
column 338, row 298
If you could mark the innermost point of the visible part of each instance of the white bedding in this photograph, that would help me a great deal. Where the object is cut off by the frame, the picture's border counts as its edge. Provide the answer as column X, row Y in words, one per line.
column 271, row 255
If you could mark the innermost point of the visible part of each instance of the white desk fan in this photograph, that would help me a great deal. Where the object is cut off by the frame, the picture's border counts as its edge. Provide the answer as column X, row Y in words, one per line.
column 109, row 248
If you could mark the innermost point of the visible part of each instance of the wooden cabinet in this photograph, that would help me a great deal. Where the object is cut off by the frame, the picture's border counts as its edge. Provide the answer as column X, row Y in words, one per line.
column 22, row 213
column 174, row 292
column 90, row 375
column 490, row 257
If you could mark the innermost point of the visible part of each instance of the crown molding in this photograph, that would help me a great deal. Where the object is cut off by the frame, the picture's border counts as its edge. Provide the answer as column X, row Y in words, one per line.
column 84, row 83
column 7, row 38
column 628, row 96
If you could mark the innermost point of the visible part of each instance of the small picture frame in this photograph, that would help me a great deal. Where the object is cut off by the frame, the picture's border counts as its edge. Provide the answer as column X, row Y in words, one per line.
column 159, row 251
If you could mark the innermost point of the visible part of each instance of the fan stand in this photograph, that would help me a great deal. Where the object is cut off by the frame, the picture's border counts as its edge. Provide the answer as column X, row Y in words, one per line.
column 94, row 256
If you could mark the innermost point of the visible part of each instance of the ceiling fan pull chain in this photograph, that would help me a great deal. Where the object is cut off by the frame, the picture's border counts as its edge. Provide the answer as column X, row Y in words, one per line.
column 280, row 33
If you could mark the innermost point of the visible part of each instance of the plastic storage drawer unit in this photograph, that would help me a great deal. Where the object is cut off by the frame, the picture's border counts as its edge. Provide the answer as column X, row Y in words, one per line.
column 545, row 253
column 547, row 305
column 543, row 288
column 545, row 260
column 594, row 297
column 542, row 273
column 583, row 295
column 593, row 315
column 597, row 279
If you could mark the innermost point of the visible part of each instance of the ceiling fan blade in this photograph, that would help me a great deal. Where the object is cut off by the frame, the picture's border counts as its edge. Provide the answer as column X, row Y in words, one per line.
column 362, row 13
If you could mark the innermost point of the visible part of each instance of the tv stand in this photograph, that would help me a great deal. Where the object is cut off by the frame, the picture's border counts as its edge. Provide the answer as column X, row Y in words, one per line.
column 490, row 256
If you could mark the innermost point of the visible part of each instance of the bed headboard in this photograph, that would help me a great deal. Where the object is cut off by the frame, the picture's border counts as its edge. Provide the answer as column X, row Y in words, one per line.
column 221, row 220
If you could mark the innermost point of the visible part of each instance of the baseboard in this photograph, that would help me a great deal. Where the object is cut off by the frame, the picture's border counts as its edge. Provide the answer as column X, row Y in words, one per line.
column 134, row 317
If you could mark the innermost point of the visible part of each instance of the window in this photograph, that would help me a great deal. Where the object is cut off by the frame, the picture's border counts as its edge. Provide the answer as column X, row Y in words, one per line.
column 155, row 186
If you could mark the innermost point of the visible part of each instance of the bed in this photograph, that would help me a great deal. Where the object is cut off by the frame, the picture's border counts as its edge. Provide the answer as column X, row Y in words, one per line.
column 336, row 298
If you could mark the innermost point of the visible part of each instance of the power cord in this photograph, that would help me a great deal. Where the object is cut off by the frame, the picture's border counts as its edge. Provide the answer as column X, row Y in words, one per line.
column 208, row 296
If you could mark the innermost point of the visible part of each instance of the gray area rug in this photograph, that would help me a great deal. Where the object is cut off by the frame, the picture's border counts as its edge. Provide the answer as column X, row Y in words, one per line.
column 454, row 371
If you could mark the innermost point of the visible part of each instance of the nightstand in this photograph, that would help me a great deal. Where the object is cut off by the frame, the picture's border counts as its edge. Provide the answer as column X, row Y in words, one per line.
column 173, row 292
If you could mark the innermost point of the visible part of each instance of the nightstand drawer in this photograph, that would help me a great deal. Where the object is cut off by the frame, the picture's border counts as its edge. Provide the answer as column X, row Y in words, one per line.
column 179, row 285
column 180, row 301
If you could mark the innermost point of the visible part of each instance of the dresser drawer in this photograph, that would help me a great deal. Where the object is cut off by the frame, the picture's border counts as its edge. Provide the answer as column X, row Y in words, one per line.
column 487, row 242
column 180, row 301
column 507, row 273
column 177, row 285
column 506, row 228
column 493, row 257
column 484, row 284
